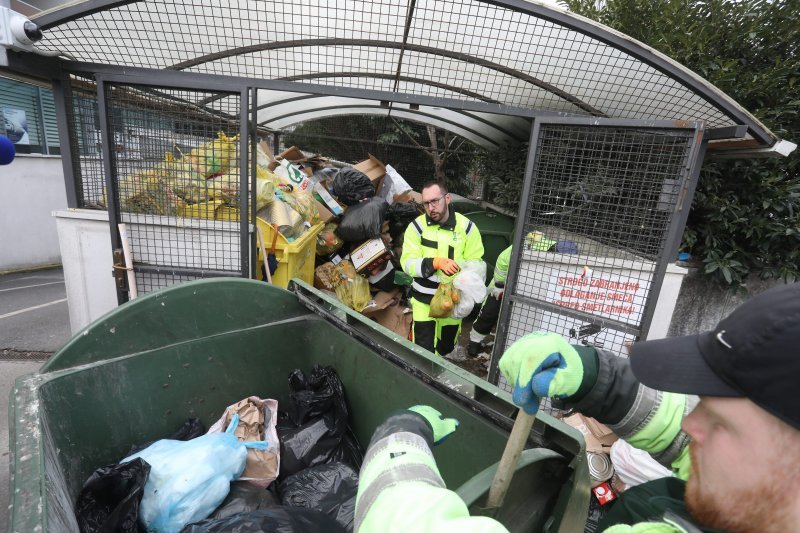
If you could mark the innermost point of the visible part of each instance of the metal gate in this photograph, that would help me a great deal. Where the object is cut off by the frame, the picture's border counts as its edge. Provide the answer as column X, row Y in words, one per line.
column 164, row 149
column 601, row 214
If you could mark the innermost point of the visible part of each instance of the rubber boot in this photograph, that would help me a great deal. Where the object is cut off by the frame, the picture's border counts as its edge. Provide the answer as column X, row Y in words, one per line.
column 474, row 348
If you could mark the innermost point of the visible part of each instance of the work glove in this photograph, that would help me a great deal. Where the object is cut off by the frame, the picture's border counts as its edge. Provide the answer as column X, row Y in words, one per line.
column 540, row 365
column 497, row 291
column 448, row 266
column 442, row 427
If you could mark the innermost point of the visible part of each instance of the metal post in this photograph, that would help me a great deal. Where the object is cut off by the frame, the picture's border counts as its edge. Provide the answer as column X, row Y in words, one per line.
column 253, row 178
column 62, row 94
column 107, row 147
column 244, row 218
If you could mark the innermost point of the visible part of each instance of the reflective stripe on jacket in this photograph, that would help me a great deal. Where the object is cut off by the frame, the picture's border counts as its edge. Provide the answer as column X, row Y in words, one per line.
column 648, row 419
column 457, row 239
column 501, row 268
column 400, row 488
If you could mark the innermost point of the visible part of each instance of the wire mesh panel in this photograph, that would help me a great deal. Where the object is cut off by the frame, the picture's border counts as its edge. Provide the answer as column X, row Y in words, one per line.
column 596, row 227
column 511, row 53
column 84, row 135
column 177, row 180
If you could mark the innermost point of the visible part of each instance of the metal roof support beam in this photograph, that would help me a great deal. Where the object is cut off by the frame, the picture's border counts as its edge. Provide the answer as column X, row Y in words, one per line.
column 193, row 80
column 401, row 46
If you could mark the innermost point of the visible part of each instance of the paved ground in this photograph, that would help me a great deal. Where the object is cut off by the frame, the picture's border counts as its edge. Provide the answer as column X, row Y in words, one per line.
column 33, row 311
column 34, row 322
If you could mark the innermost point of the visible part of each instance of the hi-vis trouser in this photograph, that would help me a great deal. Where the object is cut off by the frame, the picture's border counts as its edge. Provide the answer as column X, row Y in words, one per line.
column 437, row 335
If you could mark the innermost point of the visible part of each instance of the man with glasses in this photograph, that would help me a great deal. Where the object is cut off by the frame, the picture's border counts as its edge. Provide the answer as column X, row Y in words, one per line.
column 436, row 245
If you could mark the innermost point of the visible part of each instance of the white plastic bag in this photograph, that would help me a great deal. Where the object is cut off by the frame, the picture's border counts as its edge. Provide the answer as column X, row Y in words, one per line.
column 635, row 466
column 189, row 479
column 470, row 282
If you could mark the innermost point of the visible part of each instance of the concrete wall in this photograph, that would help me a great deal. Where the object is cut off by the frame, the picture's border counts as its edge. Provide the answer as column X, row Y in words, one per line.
column 31, row 188
column 703, row 303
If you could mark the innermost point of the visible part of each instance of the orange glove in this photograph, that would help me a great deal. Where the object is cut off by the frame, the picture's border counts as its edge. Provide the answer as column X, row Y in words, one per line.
column 448, row 266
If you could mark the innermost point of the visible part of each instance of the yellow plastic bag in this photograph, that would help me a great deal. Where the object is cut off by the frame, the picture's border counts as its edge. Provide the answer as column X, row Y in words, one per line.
column 214, row 158
column 327, row 240
column 351, row 288
column 303, row 203
column 265, row 192
column 178, row 174
column 444, row 300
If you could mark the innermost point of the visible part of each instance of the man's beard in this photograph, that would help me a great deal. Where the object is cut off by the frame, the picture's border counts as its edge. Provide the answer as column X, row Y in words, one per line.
column 745, row 507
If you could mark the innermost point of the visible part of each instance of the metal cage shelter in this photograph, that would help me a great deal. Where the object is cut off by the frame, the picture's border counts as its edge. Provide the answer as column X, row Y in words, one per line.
column 616, row 130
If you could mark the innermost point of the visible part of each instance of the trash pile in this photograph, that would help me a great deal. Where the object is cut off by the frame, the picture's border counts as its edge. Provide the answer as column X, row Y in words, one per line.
column 358, row 215
column 366, row 209
column 255, row 469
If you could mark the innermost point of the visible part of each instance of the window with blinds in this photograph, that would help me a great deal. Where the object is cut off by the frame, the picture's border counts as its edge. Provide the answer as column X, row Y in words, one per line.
column 28, row 117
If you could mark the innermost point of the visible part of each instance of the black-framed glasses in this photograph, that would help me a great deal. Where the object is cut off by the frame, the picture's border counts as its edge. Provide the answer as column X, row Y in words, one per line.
column 431, row 203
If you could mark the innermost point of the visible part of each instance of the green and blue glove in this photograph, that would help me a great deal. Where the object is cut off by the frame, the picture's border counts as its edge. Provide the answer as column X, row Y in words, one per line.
column 541, row 365
column 442, row 427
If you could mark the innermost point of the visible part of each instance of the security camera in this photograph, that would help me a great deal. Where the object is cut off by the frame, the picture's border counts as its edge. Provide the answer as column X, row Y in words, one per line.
column 17, row 32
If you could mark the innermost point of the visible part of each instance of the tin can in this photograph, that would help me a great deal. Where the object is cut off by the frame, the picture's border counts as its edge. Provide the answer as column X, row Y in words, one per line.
column 600, row 467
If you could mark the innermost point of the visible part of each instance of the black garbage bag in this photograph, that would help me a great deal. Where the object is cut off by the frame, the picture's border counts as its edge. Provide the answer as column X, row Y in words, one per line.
column 314, row 430
column 109, row 500
column 400, row 216
column 351, row 186
column 275, row 520
column 363, row 221
column 190, row 429
column 330, row 488
column 243, row 498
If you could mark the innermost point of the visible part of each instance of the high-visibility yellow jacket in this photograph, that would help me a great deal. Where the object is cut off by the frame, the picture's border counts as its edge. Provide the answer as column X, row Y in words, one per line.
column 457, row 239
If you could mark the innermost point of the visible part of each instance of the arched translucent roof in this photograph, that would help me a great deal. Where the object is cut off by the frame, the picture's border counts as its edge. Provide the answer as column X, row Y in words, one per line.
column 511, row 55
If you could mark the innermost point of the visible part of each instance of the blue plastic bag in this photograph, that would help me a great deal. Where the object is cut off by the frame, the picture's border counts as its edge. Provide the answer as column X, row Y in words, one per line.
column 189, row 479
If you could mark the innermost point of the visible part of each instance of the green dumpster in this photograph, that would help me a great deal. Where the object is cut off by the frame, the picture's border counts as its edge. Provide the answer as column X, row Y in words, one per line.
column 139, row 372
column 497, row 229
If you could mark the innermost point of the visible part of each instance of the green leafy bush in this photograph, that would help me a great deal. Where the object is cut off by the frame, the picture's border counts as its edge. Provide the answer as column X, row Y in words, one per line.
column 745, row 217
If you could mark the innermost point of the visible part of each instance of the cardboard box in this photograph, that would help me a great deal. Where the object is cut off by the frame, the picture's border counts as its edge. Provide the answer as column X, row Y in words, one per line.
column 599, row 437
column 325, row 213
column 291, row 174
column 327, row 199
column 322, row 276
column 370, row 255
column 373, row 168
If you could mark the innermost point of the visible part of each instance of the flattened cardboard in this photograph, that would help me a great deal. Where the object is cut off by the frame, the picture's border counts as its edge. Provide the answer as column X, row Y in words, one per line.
column 395, row 318
column 373, row 168
column 292, row 154
column 599, row 437
column 408, row 196
column 380, row 301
